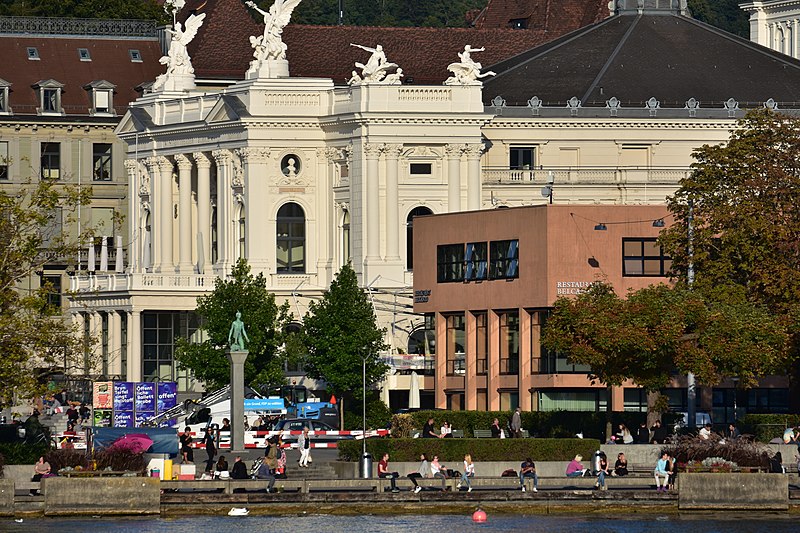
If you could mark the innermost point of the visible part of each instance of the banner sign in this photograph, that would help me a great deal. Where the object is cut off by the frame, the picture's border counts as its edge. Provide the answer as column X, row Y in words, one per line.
column 123, row 419
column 103, row 395
column 145, row 398
column 167, row 396
column 143, row 416
column 123, row 396
column 102, row 418
column 264, row 404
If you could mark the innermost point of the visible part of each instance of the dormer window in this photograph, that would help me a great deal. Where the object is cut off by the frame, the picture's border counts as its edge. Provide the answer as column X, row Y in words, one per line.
column 50, row 97
column 33, row 54
column 84, row 55
column 136, row 57
column 5, row 88
column 101, row 93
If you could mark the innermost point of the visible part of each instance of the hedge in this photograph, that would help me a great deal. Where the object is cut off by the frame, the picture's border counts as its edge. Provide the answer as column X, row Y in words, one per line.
column 543, row 424
column 452, row 450
column 768, row 426
column 20, row 453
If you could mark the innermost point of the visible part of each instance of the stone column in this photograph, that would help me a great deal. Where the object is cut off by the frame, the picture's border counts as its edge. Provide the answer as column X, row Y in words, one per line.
column 392, row 200
column 163, row 222
column 184, row 213
column 224, row 161
column 133, row 170
column 453, row 155
column 134, row 346
column 203, row 212
column 114, row 343
column 372, row 205
column 237, row 359
column 256, row 191
column 474, row 152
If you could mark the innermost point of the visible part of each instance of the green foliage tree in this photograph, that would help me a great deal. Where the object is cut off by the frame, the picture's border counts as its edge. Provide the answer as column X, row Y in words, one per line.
column 110, row 9
column 660, row 329
column 33, row 335
column 724, row 14
column 264, row 322
column 440, row 13
column 340, row 329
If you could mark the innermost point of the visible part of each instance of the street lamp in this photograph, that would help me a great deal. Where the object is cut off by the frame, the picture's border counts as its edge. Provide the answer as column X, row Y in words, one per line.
column 364, row 405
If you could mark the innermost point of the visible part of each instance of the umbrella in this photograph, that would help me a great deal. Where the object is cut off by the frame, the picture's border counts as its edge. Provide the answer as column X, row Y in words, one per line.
column 119, row 268
column 90, row 266
column 413, row 393
column 133, row 442
column 103, row 254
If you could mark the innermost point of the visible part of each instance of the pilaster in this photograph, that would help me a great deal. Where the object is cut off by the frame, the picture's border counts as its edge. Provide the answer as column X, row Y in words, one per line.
column 256, row 193
column 224, row 162
column 373, row 222
column 453, row 156
column 184, row 214
column 165, row 253
column 203, row 212
column 392, row 152
column 473, row 152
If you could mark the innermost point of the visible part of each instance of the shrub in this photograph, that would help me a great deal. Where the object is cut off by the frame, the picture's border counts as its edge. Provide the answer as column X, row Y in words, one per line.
column 20, row 453
column 378, row 414
column 59, row 459
column 544, row 424
column 768, row 426
column 742, row 452
column 120, row 460
column 453, row 450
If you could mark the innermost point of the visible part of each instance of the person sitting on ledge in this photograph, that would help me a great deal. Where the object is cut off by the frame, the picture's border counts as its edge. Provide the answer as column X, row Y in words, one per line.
column 528, row 469
column 705, row 432
column 428, row 431
column 661, row 471
column 621, row 466
column 423, row 472
column 575, row 467
column 239, row 470
column 383, row 472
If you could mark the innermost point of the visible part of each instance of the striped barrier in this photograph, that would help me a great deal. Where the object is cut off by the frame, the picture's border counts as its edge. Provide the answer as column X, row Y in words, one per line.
column 258, row 439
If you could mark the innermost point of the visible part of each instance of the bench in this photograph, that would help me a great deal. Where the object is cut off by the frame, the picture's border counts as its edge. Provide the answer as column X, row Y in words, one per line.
column 482, row 433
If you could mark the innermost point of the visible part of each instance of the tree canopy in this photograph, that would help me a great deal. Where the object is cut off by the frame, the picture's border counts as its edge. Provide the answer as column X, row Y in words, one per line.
column 338, row 331
column 110, row 9
column 264, row 321
column 33, row 336
column 661, row 329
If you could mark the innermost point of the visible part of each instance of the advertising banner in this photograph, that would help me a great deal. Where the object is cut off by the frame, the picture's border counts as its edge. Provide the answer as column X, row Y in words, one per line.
column 167, row 396
column 102, row 418
column 123, row 396
column 123, row 419
column 143, row 416
column 103, row 395
column 145, row 398
column 263, row 404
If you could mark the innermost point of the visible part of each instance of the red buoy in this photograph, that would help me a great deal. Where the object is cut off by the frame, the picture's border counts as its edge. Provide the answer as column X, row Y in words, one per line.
column 479, row 516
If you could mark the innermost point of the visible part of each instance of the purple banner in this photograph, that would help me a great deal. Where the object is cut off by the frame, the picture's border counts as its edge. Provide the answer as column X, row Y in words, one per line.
column 167, row 396
column 123, row 419
column 142, row 416
column 123, row 396
column 145, row 398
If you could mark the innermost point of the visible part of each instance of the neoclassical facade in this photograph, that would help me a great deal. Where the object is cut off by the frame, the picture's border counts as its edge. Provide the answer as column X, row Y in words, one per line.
column 300, row 175
column 775, row 24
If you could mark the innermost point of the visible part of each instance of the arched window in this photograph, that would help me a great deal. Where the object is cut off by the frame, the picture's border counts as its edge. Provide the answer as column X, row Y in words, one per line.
column 242, row 223
column 417, row 211
column 291, row 239
column 147, row 248
column 346, row 237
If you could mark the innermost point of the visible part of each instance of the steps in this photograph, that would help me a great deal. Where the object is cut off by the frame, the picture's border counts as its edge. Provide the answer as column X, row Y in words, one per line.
column 314, row 471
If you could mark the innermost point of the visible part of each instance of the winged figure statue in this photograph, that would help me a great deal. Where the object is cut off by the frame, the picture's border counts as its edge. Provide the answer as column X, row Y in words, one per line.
column 467, row 71
column 376, row 68
column 177, row 59
column 271, row 45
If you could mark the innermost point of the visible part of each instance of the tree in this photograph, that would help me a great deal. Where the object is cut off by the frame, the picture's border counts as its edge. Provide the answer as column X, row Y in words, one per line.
column 110, row 9
column 338, row 331
column 264, row 323
column 33, row 336
column 660, row 329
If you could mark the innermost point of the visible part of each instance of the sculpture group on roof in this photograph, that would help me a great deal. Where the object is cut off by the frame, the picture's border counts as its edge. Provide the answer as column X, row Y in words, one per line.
column 179, row 74
column 376, row 70
column 467, row 71
column 270, row 45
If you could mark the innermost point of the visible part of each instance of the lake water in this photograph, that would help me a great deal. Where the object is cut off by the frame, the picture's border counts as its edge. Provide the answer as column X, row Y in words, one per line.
column 406, row 523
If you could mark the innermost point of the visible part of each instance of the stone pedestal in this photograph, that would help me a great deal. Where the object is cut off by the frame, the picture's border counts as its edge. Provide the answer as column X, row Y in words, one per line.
column 268, row 68
column 237, row 359
column 175, row 82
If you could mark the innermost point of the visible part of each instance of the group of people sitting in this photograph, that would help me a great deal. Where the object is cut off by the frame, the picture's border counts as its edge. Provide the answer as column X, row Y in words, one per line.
column 429, row 468
column 429, row 430
column 666, row 469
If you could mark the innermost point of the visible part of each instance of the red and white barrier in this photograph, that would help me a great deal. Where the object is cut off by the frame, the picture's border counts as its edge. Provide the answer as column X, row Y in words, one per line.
column 258, row 439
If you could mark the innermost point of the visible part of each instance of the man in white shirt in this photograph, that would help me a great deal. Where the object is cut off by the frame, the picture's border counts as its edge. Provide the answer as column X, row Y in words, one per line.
column 705, row 432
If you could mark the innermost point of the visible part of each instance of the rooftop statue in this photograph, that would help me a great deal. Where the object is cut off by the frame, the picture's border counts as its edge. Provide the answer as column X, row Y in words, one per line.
column 376, row 69
column 177, row 60
column 270, row 45
column 467, row 71
column 237, row 335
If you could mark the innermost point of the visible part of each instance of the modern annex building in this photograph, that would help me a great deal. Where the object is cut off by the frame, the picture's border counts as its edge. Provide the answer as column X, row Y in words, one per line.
column 301, row 174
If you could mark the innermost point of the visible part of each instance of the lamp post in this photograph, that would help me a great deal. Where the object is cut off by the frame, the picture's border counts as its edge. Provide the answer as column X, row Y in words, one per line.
column 691, row 388
column 364, row 405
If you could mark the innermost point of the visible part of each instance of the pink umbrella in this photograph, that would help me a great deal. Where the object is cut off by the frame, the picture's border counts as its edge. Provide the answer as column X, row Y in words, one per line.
column 133, row 442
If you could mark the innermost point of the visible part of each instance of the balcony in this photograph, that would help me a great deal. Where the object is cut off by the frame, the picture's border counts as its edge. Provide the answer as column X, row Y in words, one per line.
column 584, row 175
column 111, row 282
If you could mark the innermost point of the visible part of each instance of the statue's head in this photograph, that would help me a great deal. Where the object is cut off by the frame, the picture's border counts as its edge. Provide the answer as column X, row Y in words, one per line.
column 379, row 48
column 238, row 314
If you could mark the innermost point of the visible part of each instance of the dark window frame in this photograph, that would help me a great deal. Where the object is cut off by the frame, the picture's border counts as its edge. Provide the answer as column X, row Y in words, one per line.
column 420, row 169
column 504, row 259
column 450, row 267
column 293, row 214
column 665, row 261
column 102, row 161
column 521, row 157
column 4, row 161
column 477, row 261
column 50, row 161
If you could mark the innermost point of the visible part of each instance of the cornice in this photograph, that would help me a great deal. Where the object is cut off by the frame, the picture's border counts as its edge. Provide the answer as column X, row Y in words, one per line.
column 721, row 124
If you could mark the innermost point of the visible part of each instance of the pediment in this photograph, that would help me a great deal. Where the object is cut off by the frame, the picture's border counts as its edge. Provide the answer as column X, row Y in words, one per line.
column 134, row 120
column 228, row 108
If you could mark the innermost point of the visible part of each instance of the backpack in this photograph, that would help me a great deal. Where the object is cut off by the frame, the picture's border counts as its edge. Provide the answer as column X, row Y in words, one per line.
column 509, row 473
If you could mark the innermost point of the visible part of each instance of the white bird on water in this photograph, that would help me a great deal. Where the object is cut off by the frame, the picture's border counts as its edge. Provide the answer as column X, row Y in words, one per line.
column 238, row 511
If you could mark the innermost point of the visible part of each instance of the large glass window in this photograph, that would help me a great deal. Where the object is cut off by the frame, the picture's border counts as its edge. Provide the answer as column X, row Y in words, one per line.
column 52, row 232
column 592, row 400
column 3, row 160
column 509, row 400
column 159, row 331
column 51, row 160
column 449, row 263
column 51, row 100
column 635, row 400
column 504, row 261
column 416, row 212
column 509, row 342
column 101, row 161
column 242, row 233
column 521, row 157
column 455, row 344
column 767, row 401
column 52, row 284
column 346, row 237
column 476, row 261
column 481, row 343
column 644, row 257
column 291, row 239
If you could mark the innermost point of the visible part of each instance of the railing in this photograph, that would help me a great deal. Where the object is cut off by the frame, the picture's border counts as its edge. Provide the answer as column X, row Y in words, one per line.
column 77, row 26
column 561, row 175
column 410, row 362
column 127, row 282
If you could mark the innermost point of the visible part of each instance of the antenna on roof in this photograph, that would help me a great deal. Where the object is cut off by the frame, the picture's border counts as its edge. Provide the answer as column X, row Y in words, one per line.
column 341, row 12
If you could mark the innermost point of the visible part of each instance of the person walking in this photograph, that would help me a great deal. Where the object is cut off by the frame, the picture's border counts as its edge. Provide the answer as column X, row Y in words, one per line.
column 211, row 447
column 516, row 424
column 528, row 469
column 304, row 445
column 469, row 472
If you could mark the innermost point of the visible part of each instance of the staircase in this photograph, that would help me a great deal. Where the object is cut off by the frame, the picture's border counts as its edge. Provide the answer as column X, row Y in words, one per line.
column 314, row 471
